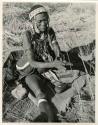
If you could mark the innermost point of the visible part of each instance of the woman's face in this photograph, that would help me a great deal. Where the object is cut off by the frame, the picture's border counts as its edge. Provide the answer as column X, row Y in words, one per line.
column 42, row 22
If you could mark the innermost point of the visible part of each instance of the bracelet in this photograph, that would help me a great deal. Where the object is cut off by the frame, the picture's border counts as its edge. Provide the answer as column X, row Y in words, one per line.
column 41, row 100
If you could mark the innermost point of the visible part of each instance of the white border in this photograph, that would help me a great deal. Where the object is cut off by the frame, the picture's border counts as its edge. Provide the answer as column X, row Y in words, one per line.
column 96, row 80
column 1, row 63
column 51, row 1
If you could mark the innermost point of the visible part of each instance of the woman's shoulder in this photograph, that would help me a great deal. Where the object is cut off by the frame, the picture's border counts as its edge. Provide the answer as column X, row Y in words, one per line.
column 26, row 38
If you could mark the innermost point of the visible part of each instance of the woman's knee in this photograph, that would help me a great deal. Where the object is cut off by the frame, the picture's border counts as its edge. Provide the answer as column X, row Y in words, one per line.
column 31, row 80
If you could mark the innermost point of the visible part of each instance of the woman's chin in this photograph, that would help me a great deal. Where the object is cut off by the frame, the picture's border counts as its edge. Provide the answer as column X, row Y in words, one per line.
column 43, row 29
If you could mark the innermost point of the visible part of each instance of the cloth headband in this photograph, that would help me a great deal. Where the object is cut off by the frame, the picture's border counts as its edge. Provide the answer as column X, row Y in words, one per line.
column 37, row 11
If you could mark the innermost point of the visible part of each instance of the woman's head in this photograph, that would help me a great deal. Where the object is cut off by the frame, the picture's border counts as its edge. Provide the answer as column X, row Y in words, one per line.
column 39, row 17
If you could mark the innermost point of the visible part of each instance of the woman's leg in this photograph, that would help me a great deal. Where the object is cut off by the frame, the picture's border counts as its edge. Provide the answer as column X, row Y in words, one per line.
column 34, row 83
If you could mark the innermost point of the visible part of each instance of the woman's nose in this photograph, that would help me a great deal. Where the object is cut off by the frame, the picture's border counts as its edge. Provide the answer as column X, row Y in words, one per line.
column 43, row 23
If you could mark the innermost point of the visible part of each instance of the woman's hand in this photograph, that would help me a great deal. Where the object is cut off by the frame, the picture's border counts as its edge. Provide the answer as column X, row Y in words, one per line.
column 59, row 64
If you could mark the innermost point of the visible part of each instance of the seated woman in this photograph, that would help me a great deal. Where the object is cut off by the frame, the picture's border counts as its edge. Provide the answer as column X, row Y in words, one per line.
column 41, row 52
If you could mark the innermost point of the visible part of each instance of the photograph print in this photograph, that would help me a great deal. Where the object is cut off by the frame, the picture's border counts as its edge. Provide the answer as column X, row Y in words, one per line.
column 48, row 62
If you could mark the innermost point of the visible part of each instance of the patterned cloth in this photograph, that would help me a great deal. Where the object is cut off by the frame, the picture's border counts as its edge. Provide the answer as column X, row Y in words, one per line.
column 42, row 47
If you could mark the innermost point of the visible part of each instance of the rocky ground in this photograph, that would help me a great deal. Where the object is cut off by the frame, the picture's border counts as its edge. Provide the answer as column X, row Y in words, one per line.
column 74, row 25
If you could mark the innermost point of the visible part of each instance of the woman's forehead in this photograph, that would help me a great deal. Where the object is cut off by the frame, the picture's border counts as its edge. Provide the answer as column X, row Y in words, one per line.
column 41, row 16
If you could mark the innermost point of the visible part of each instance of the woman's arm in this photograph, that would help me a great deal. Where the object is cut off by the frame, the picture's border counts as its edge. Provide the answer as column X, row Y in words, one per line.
column 30, row 55
column 36, row 64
